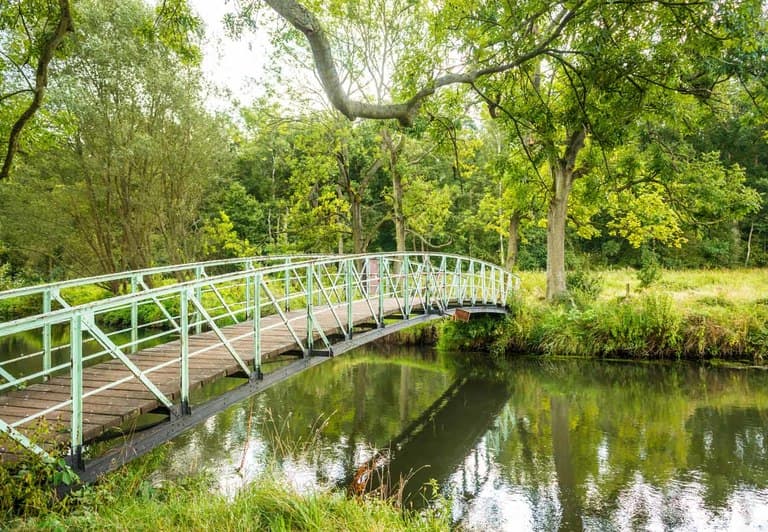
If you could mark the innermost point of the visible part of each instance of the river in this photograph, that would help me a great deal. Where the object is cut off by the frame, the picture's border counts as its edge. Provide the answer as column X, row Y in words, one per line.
column 536, row 444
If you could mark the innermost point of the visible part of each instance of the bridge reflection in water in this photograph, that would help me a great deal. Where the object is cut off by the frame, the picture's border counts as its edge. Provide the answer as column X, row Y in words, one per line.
column 214, row 320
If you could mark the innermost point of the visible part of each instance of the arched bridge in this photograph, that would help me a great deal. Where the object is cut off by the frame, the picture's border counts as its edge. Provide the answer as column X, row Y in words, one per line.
column 89, row 363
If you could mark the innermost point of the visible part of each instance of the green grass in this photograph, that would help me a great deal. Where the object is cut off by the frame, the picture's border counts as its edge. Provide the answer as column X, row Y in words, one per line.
column 702, row 314
column 264, row 505
column 129, row 500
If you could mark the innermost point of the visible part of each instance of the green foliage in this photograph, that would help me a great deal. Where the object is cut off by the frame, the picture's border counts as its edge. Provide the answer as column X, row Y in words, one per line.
column 650, row 270
column 28, row 484
column 474, row 335
column 221, row 241
column 584, row 284
column 670, row 320
column 130, row 160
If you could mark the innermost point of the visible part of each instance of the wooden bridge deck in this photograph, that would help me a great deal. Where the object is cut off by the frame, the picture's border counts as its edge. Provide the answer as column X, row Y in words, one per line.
column 209, row 361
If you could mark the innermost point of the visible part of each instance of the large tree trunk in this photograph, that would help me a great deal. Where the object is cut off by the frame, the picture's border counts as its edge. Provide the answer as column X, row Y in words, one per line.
column 563, row 172
column 556, row 222
column 513, row 241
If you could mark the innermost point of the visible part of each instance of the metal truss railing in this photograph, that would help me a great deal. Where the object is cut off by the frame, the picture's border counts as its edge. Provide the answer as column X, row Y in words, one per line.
column 259, row 287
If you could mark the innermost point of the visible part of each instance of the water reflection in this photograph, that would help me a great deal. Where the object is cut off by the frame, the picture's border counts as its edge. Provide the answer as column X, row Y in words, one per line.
column 319, row 425
column 536, row 445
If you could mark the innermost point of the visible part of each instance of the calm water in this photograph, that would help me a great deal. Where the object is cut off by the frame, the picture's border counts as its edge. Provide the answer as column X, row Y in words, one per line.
column 536, row 445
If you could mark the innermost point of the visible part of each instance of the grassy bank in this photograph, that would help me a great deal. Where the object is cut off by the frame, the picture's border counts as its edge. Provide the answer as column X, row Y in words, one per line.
column 129, row 500
column 713, row 314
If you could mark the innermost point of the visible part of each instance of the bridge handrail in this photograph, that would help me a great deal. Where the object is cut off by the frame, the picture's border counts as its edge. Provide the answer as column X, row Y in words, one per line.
column 32, row 290
column 122, row 300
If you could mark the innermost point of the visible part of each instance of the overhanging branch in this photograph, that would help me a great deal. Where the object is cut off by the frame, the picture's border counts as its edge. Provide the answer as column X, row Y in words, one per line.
column 305, row 21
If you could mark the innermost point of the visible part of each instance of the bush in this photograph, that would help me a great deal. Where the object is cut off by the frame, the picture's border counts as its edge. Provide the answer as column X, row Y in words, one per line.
column 650, row 269
column 584, row 285
column 29, row 485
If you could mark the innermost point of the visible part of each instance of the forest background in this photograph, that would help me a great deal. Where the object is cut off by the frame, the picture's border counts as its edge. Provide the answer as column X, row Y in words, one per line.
column 540, row 135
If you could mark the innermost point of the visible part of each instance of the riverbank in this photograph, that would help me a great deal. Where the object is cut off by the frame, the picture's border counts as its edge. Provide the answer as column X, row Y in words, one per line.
column 129, row 500
column 713, row 315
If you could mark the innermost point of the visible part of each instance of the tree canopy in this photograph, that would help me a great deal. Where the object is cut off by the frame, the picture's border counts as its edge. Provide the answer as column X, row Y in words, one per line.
column 535, row 134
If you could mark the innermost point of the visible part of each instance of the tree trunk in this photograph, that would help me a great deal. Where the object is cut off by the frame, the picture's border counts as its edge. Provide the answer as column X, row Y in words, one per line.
column 562, row 180
column 513, row 241
column 397, row 187
column 397, row 208
column 356, row 208
column 749, row 244
column 556, row 222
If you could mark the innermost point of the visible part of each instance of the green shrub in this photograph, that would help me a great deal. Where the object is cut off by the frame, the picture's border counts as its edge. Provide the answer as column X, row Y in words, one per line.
column 584, row 284
column 650, row 269
column 28, row 485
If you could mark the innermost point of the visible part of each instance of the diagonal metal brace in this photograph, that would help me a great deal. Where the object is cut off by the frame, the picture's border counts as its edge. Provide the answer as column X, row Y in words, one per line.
column 7, row 376
column 330, row 303
column 221, row 299
column 282, row 315
column 25, row 442
column 109, row 345
column 217, row 331
column 160, row 306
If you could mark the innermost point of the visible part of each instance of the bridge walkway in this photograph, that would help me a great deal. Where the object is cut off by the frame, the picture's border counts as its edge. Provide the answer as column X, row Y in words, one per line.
column 113, row 406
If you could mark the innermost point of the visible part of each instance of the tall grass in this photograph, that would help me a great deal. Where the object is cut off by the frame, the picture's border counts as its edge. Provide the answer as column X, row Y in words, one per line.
column 698, row 314
column 133, row 499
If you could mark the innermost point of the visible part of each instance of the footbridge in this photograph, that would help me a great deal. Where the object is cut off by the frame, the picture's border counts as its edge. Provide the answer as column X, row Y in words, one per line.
column 86, row 365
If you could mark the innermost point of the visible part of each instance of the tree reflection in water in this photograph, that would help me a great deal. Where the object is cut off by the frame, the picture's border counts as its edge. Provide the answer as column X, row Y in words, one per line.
column 536, row 444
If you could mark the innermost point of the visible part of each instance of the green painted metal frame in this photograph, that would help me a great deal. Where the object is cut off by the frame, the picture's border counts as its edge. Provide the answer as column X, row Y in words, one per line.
column 319, row 284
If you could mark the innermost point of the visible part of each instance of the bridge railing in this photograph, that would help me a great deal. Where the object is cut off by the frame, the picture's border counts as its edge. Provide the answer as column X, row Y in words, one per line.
column 118, row 326
column 44, row 298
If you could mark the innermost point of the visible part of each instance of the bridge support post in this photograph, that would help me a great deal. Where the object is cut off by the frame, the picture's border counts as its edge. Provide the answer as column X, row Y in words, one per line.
column 46, row 335
column 76, row 364
column 134, row 316
column 493, row 286
column 184, row 341
column 257, row 374
column 287, row 286
column 248, row 281
column 380, row 287
column 348, row 265
column 472, row 294
column 406, row 289
column 310, row 303
column 444, row 282
column 199, row 273
column 458, row 286
column 426, row 273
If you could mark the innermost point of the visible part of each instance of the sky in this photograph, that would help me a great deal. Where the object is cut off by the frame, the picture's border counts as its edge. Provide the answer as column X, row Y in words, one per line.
column 236, row 65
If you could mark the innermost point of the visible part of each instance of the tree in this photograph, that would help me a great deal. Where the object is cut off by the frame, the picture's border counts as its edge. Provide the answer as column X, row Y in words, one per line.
column 31, row 32
column 34, row 32
column 132, row 159
column 606, row 58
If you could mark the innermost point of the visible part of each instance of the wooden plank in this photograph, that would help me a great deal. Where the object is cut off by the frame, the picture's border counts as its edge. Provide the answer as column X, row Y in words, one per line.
column 461, row 315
